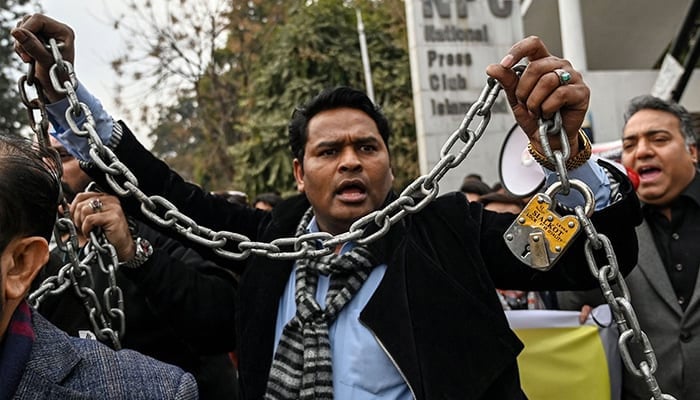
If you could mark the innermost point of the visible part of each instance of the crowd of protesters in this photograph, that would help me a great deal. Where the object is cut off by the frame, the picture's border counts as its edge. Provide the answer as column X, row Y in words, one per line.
column 417, row 313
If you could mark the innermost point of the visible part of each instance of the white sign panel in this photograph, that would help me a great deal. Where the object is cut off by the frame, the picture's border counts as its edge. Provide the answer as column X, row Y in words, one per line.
column 450, row 44
column 669, row 74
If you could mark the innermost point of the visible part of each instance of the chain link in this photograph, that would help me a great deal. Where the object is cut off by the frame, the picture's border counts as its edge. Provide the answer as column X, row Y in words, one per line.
column 621, row 307
column 413, row 199
column 165, row 214
column 75, row 272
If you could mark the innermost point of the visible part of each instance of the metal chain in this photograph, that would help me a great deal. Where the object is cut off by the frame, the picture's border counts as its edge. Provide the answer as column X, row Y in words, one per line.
column 623, row 312
column 76, row 272
column 620, row 305
column 413, row 199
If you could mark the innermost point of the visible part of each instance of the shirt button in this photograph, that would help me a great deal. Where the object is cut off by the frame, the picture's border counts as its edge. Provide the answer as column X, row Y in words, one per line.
column 679, row 267
column 685, row 336
column 675, row 236
column 681, row 300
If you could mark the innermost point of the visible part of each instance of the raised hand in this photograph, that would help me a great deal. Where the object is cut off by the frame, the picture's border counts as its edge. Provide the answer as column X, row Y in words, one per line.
column 32, row 35
column 91, row 210
column 542, row 90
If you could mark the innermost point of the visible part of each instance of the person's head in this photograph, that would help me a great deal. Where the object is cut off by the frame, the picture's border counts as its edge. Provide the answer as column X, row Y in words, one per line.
column 474, row 188
column 658, row 143
column 339, row 141
column 29, row 193
column 266, row 201
column 474, row 176
column 74, row 179
column 498, row 187
column 501, row 202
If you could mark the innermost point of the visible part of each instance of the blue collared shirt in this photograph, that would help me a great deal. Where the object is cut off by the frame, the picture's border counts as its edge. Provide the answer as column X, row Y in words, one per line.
column 361, row 368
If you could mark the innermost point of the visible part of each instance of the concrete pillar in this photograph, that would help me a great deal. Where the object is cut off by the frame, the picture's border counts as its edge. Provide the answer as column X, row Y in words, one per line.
column 573, row 42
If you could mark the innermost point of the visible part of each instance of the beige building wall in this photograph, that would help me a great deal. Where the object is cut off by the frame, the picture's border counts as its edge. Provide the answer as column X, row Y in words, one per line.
column 624, row 41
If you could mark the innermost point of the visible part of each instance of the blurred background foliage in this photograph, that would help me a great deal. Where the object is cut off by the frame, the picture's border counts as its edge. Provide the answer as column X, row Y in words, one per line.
column 13, row 115
column 220, row 79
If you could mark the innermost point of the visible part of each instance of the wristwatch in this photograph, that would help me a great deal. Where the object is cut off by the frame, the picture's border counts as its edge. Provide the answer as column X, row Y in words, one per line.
column 144, row 250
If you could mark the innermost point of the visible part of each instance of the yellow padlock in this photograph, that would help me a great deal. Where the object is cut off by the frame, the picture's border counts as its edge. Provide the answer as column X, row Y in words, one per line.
column 539, row 236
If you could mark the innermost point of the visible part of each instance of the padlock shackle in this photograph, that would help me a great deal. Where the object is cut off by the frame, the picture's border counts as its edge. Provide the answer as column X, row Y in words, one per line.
column 586, row 192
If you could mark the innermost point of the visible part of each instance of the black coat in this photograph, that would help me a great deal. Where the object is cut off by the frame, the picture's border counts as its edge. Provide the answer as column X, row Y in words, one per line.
column 435, row 312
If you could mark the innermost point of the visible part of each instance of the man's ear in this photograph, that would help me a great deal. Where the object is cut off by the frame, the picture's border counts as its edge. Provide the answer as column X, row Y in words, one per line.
column 693, row 150
column 299, row 175
column 24, row 258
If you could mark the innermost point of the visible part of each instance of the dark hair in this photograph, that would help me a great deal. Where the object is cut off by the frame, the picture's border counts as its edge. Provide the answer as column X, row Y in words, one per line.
column 331, row 99
column 29, row 189
column 498, row 197
column 474, row 176
column 271, row 198
column 476, row 186
column 648, row 102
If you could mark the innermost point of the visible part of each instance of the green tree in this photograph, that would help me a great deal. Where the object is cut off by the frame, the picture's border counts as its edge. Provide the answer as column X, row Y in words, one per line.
column 202, row 56
column 221, row 94
column 318, row 47
column 176, row 138
column 227, row 127
column 175, row 64
column 13, row 115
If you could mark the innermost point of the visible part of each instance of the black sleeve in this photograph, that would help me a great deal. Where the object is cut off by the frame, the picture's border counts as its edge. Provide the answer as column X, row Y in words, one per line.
column 195, row 297
column 574, row 300
column 156, row 178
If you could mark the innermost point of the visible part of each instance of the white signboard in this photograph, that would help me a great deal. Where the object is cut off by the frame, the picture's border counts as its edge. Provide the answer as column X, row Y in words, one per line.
column 669, row 74
column 450, row 44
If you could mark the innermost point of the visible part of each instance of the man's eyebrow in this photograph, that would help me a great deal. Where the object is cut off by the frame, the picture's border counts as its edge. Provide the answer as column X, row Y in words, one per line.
column 367, row 139
column 650, row 132
column 361, row 140
column 327, row 143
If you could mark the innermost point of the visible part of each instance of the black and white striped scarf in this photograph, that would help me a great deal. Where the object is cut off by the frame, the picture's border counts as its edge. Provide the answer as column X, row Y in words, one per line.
column 302, row 366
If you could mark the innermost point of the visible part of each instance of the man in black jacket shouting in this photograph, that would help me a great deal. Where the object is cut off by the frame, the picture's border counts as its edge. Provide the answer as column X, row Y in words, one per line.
column 412, row 314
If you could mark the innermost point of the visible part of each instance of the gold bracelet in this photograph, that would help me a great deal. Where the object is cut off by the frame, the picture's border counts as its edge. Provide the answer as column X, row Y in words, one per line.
column 573, row 162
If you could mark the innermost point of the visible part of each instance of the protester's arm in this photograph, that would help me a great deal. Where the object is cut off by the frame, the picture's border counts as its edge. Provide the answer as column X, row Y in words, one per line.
column 190, row 294
column 539, row 94
column 576, row 300
column 154, row 176
column 30, row 36
column 78, row 146
column 582, row 301
column 617, row 221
